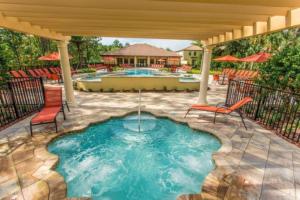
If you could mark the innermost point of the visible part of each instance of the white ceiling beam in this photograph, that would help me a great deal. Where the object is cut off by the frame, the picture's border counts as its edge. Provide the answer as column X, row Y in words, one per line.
column 228, row 36
column 25, row 27
column 293, row 17
column 276, row 23
column 222, row 38
column 247, row 31
column 209, row 41
column 260, row 27
column 215, row 40
column 237, row 33
column 171, row 8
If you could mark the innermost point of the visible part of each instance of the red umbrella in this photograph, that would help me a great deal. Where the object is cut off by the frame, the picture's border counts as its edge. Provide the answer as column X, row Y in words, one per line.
column 259, row 58
column 52, row 57
column 227, row 58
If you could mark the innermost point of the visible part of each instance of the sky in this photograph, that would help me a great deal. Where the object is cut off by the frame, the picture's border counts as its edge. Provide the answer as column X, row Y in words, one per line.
column 162, row 43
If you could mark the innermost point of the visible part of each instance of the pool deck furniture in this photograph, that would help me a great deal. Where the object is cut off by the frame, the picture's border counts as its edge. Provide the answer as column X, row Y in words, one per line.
column 15, row 74
column 32, row 73
column 232, row 74
column 40, row 73
column 53, row 70
column 53, row 106
column 222, row 109
column 23, row 74
column 52, row 76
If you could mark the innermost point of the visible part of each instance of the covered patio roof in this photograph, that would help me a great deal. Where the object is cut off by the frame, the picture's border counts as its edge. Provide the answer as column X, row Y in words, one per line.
column 213, row 21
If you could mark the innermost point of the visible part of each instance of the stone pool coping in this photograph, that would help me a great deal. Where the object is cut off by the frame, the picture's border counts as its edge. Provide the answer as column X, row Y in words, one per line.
column 57, row 188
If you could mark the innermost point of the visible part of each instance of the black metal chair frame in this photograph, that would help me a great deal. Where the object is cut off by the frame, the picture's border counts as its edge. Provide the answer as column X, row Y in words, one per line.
column 220, row 106
column 50, row 122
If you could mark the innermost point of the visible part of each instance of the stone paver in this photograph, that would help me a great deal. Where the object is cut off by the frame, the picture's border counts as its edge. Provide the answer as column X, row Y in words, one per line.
column 251, row 164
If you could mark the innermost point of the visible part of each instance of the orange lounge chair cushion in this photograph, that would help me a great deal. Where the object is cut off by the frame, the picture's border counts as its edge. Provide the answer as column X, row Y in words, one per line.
column 47, row 114
column 211, row 109
column 234, row 107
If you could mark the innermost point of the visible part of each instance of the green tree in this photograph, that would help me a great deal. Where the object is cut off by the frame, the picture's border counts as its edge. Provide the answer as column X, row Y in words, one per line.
column 13, row 41
column 78, row 42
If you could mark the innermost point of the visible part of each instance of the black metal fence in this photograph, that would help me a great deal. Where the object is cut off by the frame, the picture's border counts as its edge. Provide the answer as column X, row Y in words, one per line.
column 275, row 109
column 20, row 97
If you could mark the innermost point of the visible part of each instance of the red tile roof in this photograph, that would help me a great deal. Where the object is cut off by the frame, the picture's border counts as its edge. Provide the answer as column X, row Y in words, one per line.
column 142, row 50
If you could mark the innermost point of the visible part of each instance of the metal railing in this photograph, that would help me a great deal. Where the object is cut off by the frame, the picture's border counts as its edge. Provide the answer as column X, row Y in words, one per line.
column 275, row 109
column 19, row 97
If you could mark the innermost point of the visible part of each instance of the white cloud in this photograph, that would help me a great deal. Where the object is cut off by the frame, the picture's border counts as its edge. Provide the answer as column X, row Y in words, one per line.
column 162, row 43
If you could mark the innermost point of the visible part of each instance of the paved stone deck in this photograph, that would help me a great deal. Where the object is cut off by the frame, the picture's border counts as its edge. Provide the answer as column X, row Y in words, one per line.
column 252, row 164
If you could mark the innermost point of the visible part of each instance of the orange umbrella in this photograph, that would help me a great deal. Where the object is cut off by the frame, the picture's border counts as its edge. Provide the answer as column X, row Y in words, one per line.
column 52, row 57
column 227, row 58
column 259, row 58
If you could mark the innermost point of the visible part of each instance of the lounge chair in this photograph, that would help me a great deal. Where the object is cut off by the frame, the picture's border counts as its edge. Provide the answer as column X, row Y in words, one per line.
column 40, row 73
column 221, row 109
column 52, row 107
column 23, row 74
column 33, row 74
column 51, row 76
column 52, row 69
column 15, row 74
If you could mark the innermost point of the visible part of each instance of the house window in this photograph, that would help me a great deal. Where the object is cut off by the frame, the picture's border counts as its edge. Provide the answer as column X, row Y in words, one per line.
column 131, row 60
column 125, row 60
column 195, row 53
column 119, row 61
column 151, row 61
column 190, row 53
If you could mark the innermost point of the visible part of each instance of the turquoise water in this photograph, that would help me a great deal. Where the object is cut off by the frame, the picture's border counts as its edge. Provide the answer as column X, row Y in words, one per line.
column 140, row 72
column 118, row 160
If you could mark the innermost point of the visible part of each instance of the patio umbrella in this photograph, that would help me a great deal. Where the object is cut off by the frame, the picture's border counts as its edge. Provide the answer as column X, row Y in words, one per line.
column 258, row 58
column 227, row 58
column 52, row 57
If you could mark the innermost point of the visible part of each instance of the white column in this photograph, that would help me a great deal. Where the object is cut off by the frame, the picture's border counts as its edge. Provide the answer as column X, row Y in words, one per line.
column 135, row 61
column 66, row 71
column 148, row 61
column 206, row 60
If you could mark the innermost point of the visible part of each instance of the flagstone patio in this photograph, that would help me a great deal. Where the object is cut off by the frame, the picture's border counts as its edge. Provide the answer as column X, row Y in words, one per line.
column 252, row 164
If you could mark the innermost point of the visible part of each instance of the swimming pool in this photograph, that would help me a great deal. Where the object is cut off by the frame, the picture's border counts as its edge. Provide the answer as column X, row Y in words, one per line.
column 142, row 72
column 117, row 159
column 135, row 79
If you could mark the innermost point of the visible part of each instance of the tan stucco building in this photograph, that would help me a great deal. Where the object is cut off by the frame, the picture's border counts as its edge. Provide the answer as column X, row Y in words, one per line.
column 141, row 55
column 191, row 55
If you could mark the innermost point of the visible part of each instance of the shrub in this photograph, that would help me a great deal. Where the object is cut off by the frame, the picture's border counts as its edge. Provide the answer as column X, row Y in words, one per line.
column 117, row 68
column 86, row 70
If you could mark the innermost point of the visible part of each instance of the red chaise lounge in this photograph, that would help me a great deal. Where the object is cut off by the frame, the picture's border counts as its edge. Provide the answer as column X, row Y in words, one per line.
column 15, row 74
column 52, row 107
column 223, row 109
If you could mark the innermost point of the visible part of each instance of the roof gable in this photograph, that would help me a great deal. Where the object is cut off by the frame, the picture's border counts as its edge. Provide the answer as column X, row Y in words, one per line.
column 142, row 50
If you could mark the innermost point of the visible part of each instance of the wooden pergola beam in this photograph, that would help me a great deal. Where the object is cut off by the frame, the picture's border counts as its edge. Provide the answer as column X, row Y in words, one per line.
column 274, row 23
column 14, row 23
